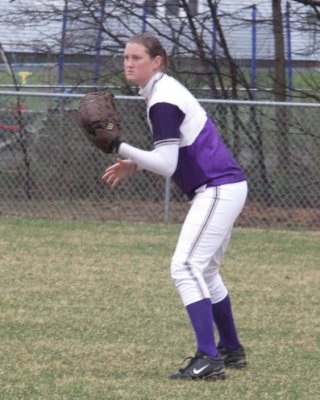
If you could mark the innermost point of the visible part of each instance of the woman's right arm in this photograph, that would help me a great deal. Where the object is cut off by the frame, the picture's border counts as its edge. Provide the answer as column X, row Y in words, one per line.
column 162, row 160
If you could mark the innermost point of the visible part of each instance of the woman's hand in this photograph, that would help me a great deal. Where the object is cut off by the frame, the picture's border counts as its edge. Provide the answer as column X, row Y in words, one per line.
column 117, row 172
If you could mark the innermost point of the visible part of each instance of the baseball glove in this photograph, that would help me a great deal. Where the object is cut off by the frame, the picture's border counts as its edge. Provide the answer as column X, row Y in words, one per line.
column 99, row 120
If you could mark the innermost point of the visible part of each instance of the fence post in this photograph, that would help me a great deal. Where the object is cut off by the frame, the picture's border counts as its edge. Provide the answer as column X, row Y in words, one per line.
column 214, row 30
column 144, row 19
column 167, row 199
column 289, row 49
column 98, row 42
column 254, row 47
column 62, row 44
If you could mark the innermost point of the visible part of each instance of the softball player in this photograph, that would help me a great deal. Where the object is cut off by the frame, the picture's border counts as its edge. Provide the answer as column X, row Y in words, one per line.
column 188, row 148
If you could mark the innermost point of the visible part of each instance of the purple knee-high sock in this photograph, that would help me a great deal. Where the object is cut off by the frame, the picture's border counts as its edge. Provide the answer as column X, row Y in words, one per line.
column 223, row 318
column 200, row 314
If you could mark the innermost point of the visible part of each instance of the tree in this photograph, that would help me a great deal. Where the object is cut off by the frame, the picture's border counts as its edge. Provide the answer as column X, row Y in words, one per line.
column 203, row 60
column 314, row 4
column 186, row 30
column 280, row 86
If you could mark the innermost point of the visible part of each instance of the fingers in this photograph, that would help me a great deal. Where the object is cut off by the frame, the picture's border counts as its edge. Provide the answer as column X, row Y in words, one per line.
column 112, row 169
column 114, row 174
column 110, row 178
column 113, row 183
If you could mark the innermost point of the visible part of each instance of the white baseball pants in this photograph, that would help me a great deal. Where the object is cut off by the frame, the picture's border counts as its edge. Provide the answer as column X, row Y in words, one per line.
column 203, row 240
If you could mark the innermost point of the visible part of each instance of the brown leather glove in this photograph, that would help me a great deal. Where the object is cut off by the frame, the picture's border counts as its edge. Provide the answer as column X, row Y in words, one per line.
column 100, row 121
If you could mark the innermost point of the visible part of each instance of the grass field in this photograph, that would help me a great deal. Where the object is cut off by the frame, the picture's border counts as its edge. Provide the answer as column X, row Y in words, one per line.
column 88, row 311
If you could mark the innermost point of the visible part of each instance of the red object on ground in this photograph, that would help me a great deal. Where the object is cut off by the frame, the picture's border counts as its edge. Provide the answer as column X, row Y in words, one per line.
column 10, row 128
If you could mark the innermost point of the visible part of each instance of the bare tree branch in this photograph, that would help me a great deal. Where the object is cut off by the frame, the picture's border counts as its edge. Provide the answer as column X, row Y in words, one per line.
column 314, row 4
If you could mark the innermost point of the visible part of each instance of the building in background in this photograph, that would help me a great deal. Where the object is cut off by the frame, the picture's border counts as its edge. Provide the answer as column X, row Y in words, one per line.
column 27, row 33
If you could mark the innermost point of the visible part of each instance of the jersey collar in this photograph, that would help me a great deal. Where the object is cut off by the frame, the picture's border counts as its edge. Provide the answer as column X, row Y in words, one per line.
column 146, row 91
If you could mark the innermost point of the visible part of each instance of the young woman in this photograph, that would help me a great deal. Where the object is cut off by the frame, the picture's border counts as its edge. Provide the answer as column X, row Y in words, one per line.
column 188, row 148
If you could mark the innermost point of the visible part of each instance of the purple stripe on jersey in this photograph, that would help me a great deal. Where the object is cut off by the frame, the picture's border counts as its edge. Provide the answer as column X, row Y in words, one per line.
column 165, row 119
column 165, row 142
column 206, row 161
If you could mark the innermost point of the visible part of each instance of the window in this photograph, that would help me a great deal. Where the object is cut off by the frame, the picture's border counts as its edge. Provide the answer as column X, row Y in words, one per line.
column 172, row 8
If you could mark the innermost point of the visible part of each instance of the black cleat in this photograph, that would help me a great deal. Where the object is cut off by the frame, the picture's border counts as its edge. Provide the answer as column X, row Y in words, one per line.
column 202, row 366
column 233, row 358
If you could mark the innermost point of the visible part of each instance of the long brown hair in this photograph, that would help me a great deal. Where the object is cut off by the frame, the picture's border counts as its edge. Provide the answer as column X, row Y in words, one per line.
column 153, row 47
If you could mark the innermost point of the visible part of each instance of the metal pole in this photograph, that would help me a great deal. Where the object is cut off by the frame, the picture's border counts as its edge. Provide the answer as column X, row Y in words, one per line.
column 62, row 45
column 214, row 30
column 289, row 49
column 254, row 47
column 166, row 199
column 144, row 19
column 98, row 43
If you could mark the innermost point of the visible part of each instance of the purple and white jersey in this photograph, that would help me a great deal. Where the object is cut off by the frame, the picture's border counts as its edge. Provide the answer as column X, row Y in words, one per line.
column 175, row 116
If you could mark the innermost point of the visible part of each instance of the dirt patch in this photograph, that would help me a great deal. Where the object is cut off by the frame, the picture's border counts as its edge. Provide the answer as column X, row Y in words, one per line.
column 253, row 215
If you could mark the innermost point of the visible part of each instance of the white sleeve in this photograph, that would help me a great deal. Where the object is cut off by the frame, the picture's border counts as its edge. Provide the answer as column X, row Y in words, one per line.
column 162, row 160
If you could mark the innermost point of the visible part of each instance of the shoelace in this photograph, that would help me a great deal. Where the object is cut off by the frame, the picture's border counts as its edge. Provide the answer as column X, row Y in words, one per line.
column 192, row 359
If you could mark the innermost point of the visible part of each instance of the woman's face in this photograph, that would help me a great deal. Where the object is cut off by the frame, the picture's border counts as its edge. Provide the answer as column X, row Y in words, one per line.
column 139, row 66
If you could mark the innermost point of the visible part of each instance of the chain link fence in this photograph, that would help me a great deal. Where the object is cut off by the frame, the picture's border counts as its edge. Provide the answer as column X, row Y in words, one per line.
column 48, row 169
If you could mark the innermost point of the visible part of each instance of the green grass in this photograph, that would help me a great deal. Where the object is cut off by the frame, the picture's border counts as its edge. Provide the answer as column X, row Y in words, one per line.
column 88, row 311
column 302, row 78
